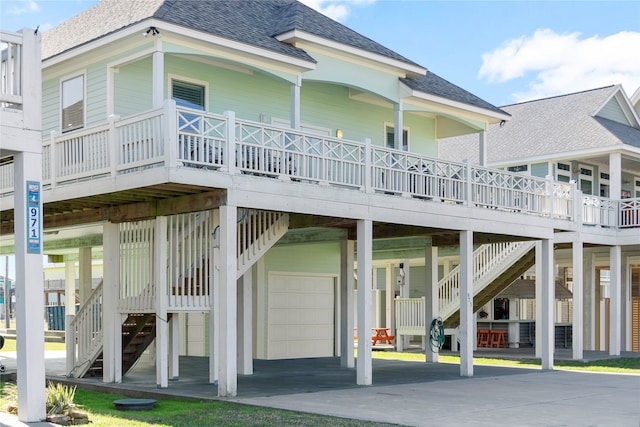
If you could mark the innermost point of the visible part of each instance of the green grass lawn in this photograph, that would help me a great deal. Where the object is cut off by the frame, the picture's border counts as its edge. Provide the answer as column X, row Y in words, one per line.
column 10, row 345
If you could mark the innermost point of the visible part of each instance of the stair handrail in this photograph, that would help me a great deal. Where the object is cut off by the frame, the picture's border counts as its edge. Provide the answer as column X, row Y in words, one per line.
column 86, row 328
column 258, row 231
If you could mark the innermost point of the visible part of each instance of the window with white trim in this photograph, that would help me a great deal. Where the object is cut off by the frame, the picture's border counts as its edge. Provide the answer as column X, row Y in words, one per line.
column 522, row 169
column 636, row 187
column 390, row 134
column 188, row 95
column 604, row 185
column 585, row 179
column 72, row 103
column 563, row 172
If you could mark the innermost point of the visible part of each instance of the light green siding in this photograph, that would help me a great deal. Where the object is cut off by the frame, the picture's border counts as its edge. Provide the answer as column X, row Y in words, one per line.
column 50, row 106
column 133, row 88
column 308, row 258
column 613, row 111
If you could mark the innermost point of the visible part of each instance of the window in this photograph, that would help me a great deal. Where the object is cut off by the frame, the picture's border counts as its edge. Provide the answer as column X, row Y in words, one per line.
column 519, row 169
column 604, row 184
column 636, row 189
column 563, row 172
column 188, row 94
column 585, row 179
column 73, row 104
column 390, row 137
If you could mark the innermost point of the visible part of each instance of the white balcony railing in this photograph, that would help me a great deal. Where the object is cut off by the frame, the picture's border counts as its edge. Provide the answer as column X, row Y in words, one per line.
column 10, row 68
column 180, row 137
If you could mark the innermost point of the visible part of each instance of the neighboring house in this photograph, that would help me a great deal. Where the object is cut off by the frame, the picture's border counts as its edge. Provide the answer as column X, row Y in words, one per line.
column 224, row 157
column 591, row 138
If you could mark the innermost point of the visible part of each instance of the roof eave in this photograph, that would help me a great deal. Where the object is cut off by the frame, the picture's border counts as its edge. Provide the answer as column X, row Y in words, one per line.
column 141, row 26
column 495, row 116
column 294, row 36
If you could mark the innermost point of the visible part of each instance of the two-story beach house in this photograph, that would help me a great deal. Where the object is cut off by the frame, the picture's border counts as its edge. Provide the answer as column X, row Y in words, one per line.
column 591, row 138
column 241, row 167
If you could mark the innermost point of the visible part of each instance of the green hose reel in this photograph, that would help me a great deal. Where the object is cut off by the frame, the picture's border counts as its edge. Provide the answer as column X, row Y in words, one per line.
column 436, row 335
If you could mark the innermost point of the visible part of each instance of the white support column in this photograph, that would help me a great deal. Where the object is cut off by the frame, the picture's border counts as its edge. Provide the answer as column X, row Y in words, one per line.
column 615, row 313
column 295, row 105
column 245, row 324
column 467, row 336
column 84, row 274
column 162, row 302
column 346, row 304
column 615, row 176
column 405, row 292
column 158, row 75
column 70, row 311
column 577, row 343
column 390, row 286
column 547, row 299
column 398, row 119
column 431, row 303
column 589, row 298
column 482, row 139
column 365, row 275
column 111, row 322
column 29, row 284
column 174, row 347
column 539, row 281
column 214, row 312
column 227, row 304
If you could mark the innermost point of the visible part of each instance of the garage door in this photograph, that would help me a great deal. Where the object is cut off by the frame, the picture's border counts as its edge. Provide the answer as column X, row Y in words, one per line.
column 300, row 316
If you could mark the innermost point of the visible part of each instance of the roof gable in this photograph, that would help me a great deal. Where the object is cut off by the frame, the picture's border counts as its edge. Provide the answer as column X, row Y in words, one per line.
column 613, row 111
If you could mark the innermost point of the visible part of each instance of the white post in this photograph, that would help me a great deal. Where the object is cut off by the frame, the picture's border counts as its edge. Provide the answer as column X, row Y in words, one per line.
column 390, row 282
column 214, row 312
column 174, row 347
column 539, row 281
column 245, row 324
column 398, row 126
column 615, row 314
column 615, row 176
column 482, row 137
column 467, row 336
column 28, row 286
column 295, row 105
column 227, row 304
column 157, row 78
column 230, row 146
column 84, row 274
column 577, row 343
column 162, row 302
column 365, row 276
column 589, row 299
column 431, row 302
column 346, row 304
column 546, row 300
column 70, row 311
column 111, row 322
column 368, row 166
column 405, row 292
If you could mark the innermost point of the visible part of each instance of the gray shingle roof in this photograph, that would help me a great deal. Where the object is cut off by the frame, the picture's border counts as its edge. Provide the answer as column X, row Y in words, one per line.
column 436, row 85
column 546, row 127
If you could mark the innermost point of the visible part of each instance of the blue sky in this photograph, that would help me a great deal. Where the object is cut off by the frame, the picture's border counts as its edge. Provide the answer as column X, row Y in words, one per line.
column 502, row 51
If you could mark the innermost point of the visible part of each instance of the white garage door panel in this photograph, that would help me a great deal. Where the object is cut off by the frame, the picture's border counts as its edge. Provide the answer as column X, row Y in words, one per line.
column 300, row 316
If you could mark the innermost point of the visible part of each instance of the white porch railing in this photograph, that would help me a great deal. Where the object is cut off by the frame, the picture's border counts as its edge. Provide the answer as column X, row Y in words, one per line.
column 86, row 327
column 599, row 211
column 629, row 213
column 137, row 290
column 489, row 261
column 258, row 231
column 10, row 68
column 176, row 136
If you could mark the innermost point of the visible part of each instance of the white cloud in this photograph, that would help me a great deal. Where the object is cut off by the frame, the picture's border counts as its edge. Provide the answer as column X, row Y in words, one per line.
column 335, row 9
column 22, row 7
column 564, row 63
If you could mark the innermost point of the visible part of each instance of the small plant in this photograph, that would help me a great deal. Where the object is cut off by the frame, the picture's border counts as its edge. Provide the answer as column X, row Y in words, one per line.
column 9, row 398
column 59, row 398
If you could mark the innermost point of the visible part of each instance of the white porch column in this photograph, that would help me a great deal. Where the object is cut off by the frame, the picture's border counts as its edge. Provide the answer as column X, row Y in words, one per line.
column 431, row 303
column 295, row 105
column 547, row 301
column 615, row 313
column 405, row 292
column 539, row 280
column 227, row 302
column 365, row 276
column 84, row 274
column 111, row 321
column 577, row 343
column 29, row 286
column 70, row 311
column 162, row 302
column 615, row 176
column 174, row 347
column 157, row 78
column 245, row 324
column 346, row 304
column 214, row 312
column 482, row 139
column 398, row 119
column 589, row 300
column 467, row 336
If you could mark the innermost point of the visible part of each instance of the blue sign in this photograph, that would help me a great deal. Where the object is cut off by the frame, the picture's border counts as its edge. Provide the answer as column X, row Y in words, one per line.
column 34, row 241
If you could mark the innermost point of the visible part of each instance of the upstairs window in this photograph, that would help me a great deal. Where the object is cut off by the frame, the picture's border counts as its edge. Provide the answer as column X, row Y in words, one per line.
column 604, row 184
column 585, row 179
column 563, row 172
column 72, row 104
column 523, row 169
column 188, row 94
column 390, row 138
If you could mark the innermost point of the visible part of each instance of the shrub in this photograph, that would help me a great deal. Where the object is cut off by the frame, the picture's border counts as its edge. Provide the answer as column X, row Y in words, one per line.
column 59, row 398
